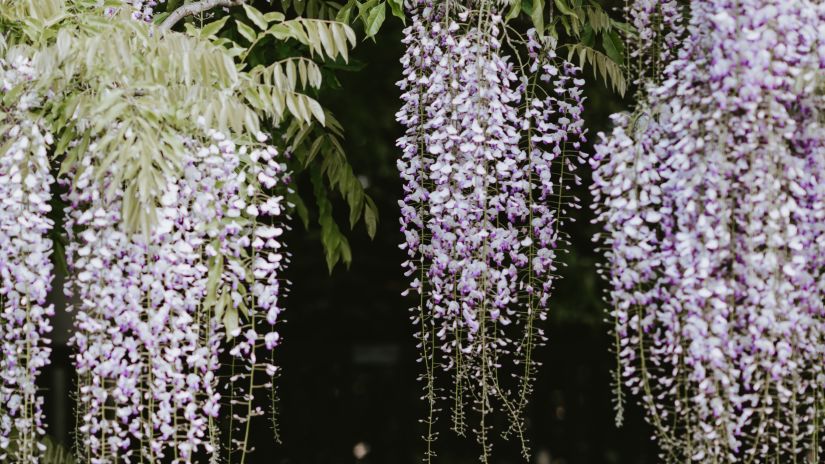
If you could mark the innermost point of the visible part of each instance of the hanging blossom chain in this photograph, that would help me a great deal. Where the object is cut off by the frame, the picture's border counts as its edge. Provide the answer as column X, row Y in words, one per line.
column 25, row 266
column 713, row 212
column 158, row 314
column 488, row 158
column 660, row 28
column 153, row 311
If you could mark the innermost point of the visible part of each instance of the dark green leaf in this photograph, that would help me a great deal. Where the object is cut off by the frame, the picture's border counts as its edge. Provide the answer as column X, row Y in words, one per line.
column 588, row 36
column 370, row 216
column 613, row 46
column 300, row 208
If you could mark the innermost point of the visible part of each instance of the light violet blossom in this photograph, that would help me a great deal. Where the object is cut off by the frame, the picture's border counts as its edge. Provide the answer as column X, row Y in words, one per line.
column 488, row 153
column 713, row 206
column 25, row 267
column 153, row 311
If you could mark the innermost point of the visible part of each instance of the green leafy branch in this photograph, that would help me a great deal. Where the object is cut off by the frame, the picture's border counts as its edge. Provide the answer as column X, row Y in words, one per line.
column 596, row 37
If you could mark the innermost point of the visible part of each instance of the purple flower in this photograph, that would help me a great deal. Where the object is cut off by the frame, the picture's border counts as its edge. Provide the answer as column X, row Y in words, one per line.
column 489, row 152
column 25, row 267
column 712, row 200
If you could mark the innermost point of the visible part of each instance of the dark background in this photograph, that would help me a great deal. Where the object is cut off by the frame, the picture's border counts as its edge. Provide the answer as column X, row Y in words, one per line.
column 349, row 359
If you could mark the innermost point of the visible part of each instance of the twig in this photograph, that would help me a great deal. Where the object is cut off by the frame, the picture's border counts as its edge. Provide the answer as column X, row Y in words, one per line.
column 193, row 9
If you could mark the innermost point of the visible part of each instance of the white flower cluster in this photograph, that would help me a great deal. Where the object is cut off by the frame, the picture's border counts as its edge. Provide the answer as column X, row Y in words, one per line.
column 713, row 207
column 154, row 310
column 25, row 268
column 488, row 158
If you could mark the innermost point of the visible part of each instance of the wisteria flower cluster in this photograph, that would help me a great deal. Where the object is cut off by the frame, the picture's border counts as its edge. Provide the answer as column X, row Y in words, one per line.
column 25, row 266
column 659, row 26
column 713, row 206
column 154, row 310
column 489, row 152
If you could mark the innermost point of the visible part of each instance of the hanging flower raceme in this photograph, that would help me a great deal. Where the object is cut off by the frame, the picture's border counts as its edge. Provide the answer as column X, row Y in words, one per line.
column 25, row 266
column 487, row 156
column 154, row 310
column 659, row 28
column 713, row 209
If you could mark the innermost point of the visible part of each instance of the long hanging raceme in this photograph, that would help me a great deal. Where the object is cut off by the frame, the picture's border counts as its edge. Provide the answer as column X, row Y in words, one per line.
column 154, row 311
column 713, row 205
column 488, row 157
column 25, row 266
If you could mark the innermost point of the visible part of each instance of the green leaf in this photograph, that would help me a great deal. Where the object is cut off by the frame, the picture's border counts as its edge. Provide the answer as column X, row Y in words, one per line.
column 515, row 9
column 397, row 7
column 613, row 46
column 537, row 15
column 247, row 32
column 345, row 13
column 300, row 208
column 375, row 20
column 160, row 17
column 365, row 8
column 212, row 28
column 215, row 272
column 230, row 316
column 256, row 16
column 611, row 72
column 60, row 257
column 588, row 36
column 336, row 247
column 565, row 9
column 370, row 216
column 274, row 17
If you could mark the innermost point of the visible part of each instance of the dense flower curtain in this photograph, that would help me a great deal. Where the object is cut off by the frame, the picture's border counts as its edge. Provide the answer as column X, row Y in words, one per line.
column 25, row 264
column 712, row 196
column 173, row 225
column 488, row 159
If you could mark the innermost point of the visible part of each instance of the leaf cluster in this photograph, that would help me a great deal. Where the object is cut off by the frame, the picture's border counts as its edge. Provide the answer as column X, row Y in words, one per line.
column 595, row 38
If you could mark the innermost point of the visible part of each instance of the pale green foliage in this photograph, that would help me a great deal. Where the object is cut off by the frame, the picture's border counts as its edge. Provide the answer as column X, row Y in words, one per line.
column 370, row 13
column 114, row 78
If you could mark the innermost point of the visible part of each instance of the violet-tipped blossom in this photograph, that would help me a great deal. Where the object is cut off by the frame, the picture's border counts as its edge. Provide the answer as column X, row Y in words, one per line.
column 659, row 28
column 488, row 153
column 155, row 311
column 713, row 207
column 25, row 267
